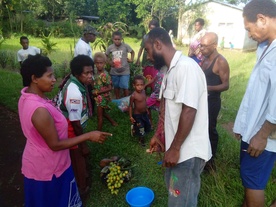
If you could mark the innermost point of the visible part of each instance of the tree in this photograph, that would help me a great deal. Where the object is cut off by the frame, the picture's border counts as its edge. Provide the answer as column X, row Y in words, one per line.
column 159, row 9
column 235, row 2
column 81, row 7
column 113, row 11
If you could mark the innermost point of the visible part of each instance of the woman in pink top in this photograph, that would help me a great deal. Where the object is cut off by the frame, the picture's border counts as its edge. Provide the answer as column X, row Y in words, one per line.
column 46, row 165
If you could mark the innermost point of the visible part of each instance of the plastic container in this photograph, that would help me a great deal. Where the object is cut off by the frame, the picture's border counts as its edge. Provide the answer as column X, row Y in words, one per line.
column 140, row 197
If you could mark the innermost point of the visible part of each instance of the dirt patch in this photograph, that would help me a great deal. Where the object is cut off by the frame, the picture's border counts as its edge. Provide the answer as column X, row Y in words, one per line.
column 11, row 149
column 229, row 127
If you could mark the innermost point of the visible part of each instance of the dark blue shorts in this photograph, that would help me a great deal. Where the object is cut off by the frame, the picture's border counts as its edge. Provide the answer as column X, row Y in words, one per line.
column 255, row 171
column 142, row 124
column 61, row 191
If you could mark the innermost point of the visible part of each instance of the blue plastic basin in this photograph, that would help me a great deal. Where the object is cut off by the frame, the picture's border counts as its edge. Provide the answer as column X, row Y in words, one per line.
column 140, row 197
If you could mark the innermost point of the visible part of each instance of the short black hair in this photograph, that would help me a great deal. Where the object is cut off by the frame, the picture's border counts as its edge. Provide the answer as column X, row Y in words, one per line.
column 154, row 22
column 200, row 21
column 255, row 7
column 160, row 34
column 34, row 65
column 79, row 62
column 138, row 77
column 116, row 33
column 23, row 38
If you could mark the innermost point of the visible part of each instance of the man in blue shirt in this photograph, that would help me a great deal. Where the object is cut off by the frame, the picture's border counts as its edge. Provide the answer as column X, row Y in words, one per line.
column 256, row 119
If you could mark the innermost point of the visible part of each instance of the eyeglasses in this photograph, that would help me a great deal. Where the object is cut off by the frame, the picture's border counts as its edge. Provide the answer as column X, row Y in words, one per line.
column 91, row 33
column 201, row 45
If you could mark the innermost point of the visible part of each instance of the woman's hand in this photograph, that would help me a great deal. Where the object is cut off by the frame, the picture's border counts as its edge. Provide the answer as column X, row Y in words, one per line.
column 99, row 137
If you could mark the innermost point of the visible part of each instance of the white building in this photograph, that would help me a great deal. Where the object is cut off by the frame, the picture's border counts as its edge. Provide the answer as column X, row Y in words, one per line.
column 224, row 19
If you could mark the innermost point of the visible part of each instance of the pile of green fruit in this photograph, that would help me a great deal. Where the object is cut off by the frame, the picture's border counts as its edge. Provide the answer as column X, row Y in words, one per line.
column 115, row 171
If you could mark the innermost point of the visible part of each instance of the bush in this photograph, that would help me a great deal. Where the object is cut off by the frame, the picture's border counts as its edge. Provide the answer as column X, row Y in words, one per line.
column 106, row 34
column 8, row 60
column 136, row 31
column 61, row 69
column 4, row 58
column 134, row 70
column 48, row 45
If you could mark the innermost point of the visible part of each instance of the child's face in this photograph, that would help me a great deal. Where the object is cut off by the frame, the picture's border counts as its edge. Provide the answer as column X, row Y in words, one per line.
column 117, row 40
column 139, row 85
column 100, row 64
column 24, row 43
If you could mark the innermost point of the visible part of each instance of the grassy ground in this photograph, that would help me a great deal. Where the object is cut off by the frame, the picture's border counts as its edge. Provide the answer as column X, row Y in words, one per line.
column 221, row 188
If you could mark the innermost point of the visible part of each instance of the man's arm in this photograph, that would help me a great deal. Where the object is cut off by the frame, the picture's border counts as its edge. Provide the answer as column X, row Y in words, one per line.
column 221, row 68
column 132, row 56
column 185, row 125
column 139, row 55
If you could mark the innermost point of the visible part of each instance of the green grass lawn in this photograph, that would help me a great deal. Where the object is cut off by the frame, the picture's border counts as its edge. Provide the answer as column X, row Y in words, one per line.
column 222, row 188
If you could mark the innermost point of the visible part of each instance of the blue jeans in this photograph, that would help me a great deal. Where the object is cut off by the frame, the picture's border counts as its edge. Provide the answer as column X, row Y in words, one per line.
column 120, row 81
column 183, row 182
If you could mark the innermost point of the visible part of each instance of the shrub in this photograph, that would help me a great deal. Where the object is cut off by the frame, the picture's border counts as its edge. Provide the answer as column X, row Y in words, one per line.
column 136, row 31
column 134, row 70
column 14, row 64
column 61, row 69
column 48, row 45
column 4, row 58
column 2, row 40
column 106, row 31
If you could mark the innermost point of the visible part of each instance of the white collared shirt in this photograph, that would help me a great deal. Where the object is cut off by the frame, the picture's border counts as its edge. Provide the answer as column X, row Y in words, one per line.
column 259, row 102
column 185, row 83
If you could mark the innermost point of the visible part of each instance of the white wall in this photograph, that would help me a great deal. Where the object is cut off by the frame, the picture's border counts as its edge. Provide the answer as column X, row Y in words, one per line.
column 226, row 21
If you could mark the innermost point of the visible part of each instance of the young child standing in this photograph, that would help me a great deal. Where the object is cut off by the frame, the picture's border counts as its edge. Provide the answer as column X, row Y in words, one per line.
column 138, row 112
column 102, row 88
column 120, row 72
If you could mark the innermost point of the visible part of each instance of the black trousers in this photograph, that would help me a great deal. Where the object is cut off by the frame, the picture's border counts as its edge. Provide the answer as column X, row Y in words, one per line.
column 214, row 105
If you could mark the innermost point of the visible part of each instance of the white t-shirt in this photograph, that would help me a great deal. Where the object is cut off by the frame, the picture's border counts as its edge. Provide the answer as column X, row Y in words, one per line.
column 74, row 104
column 185, row 83
column 83, row 48
column 23, row 54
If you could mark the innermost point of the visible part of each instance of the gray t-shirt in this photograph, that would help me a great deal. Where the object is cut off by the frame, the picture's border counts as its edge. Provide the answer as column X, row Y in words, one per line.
column 119, row 58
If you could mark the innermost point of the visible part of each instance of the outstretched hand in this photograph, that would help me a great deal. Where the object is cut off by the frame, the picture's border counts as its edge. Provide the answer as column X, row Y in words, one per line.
column 99, row 137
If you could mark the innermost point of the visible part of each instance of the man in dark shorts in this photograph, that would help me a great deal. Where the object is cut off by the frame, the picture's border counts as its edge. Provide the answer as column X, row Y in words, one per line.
column 255, row 123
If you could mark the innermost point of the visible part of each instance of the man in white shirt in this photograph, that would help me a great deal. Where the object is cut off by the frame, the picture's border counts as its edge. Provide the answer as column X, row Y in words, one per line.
column 187, row 143
column 26, row 50
column 83, row 46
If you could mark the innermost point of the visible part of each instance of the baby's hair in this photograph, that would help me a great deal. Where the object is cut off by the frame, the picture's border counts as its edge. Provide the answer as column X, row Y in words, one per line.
column 100, row 55
column 138, row 77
